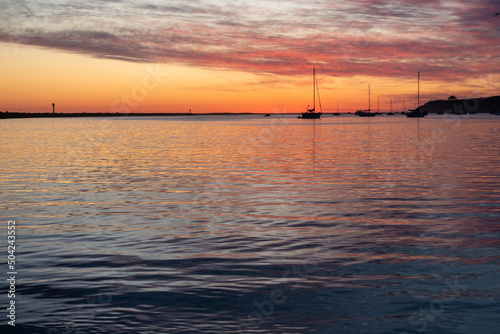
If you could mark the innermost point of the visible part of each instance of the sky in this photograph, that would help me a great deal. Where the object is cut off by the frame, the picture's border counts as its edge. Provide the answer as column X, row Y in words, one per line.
column 244, row 55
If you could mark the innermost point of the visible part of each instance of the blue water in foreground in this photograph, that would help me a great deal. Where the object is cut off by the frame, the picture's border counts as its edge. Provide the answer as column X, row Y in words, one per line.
column 251, row 224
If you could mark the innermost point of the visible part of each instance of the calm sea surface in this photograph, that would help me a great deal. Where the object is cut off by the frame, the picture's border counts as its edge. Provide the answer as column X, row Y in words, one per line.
column 251, row 224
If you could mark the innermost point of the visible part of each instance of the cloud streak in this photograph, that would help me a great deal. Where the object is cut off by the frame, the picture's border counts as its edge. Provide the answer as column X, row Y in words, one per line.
column 448, row 39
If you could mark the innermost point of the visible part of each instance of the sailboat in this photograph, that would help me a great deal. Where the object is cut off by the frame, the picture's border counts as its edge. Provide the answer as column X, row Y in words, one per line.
column 390, row 113
column 366, row 113
column 416, row 112
column 336, row 113
column 311, row 113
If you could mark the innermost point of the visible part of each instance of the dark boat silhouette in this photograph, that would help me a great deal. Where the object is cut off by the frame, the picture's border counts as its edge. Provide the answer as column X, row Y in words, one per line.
column 416, row 112
column 390, row 113
column 311, row 113
column 336, row 113
column 366, row 113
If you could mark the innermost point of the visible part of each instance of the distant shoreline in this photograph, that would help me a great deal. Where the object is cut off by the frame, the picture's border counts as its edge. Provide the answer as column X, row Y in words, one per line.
column 8, row 115
column 486, row 105
column 14, row 115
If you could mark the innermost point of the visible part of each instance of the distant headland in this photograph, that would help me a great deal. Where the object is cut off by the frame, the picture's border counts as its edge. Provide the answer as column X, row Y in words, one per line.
column 481, row 105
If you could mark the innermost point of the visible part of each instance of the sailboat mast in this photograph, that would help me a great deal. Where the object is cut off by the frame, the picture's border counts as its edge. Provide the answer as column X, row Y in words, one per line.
column 418, row 93
column 314, row 89
column 369, row 99
column 319, row 98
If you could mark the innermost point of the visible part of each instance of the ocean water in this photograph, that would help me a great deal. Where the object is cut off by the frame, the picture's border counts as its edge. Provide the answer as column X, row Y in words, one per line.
column 251, row 224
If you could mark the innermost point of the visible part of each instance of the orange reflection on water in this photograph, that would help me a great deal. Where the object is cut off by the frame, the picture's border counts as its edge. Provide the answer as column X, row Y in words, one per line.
column 342, row 182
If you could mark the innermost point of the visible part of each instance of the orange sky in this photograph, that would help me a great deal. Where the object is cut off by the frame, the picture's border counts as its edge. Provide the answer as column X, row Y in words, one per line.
column 37, row 77
column 254, row 57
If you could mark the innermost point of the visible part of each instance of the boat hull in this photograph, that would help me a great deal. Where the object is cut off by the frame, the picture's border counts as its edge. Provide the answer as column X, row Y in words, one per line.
column 310, row 115
column 362, row 113
column 416, row 113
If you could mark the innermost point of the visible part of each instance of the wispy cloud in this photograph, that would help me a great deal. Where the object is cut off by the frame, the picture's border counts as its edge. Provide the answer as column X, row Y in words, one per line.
column 447, row 39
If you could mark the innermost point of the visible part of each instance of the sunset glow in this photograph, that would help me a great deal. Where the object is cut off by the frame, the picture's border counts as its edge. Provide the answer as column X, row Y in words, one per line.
column 234, row 56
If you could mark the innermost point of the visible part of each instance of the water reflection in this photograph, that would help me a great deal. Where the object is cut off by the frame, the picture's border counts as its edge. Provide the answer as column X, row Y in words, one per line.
column 203, row 224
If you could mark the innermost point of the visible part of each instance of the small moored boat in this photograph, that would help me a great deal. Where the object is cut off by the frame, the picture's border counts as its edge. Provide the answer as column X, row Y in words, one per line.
column 366, row 113
column 416, row 112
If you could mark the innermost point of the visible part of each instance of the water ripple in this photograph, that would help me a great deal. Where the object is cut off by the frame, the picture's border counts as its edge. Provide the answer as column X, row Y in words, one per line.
column 224, row 225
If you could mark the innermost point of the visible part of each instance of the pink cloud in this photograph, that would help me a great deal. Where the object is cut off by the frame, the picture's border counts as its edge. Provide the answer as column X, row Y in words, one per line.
column 448, row 39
